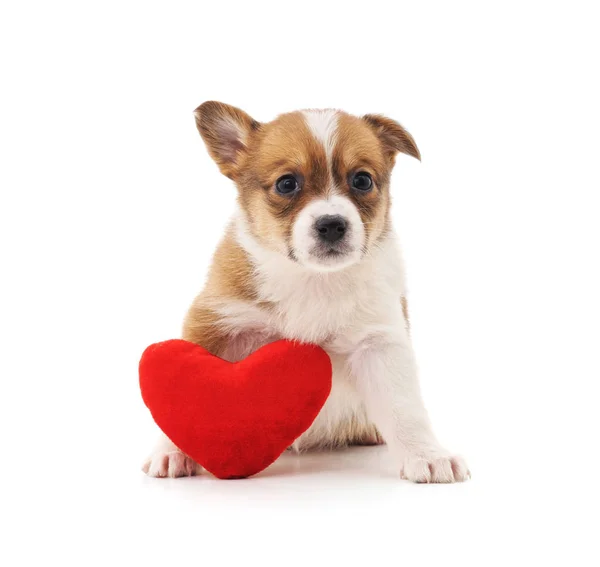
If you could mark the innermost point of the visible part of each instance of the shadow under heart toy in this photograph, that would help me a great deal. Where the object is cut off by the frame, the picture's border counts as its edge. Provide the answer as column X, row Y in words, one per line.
column 234, row 419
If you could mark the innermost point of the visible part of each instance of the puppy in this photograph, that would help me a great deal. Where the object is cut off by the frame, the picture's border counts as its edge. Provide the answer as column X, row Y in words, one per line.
column 311, row 255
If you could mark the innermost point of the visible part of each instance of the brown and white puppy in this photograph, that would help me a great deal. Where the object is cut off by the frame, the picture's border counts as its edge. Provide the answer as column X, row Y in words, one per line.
column 311, row 255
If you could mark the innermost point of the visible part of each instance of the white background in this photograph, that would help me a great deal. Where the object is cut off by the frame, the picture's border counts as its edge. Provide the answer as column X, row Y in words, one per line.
column 111, row 209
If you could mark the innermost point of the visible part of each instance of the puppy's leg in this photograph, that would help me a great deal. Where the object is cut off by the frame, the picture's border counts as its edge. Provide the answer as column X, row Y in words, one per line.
column 383, row 367
column 166, row 460
column 204, row 326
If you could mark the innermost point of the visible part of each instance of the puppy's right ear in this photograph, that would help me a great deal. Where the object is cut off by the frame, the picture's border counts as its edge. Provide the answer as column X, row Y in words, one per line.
column 393, row 136
column 225, row 130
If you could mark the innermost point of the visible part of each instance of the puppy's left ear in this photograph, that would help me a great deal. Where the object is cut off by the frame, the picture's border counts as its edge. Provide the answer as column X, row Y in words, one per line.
column 393, row 136
column 225, row 130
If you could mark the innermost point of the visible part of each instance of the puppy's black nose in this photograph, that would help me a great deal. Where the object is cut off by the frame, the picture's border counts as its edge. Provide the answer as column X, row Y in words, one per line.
column 331, row 228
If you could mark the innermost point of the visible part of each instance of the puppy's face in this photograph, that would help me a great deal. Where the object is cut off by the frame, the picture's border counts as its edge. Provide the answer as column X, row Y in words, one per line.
column 314, row 184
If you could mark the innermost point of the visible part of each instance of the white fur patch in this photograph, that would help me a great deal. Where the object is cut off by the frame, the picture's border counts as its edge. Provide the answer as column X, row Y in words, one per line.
column 323, row 125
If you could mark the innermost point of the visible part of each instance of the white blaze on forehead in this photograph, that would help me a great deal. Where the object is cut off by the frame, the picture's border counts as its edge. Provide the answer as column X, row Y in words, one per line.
column 323, row 125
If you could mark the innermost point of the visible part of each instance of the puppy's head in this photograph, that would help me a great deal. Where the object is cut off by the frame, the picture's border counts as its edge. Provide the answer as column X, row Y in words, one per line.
column 314, row 184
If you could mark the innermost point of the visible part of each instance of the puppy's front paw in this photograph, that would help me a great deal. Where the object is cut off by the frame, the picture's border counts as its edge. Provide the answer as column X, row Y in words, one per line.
column 170, row 464
column 434, row 468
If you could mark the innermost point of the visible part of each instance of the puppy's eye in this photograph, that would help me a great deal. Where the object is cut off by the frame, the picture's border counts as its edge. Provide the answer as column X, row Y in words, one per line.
column 287, row 184
column 362, row 181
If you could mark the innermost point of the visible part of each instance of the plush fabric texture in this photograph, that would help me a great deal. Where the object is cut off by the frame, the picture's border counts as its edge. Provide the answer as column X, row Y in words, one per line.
column 234, row 419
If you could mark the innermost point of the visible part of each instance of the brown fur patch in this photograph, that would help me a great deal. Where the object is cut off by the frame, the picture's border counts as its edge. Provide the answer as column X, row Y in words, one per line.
column 282, row 147
column 394, row 137
column 357, row 149
column 230, row 277
column 231, row 272
column 201, row 326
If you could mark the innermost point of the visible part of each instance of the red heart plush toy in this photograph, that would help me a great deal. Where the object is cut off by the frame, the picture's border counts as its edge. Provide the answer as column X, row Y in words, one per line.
column 234, row 419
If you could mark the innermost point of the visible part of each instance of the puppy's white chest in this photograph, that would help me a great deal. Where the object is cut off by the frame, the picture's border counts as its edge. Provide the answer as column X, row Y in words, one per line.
column 309, row 306
column 314, row 313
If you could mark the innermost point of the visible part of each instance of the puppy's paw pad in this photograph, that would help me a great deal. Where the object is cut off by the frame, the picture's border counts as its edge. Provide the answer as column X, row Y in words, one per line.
column 170, row 464
column 435, row 469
